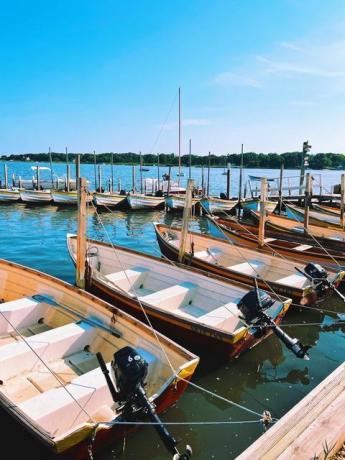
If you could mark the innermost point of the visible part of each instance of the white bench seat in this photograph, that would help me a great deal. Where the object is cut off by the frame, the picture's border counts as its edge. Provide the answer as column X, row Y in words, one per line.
column 224, row 317
column 248, row 268
column 126, row 279
column 20, row 313
column 57, row 411
column 56, row 343
column 302, row 247
column 172, row 297
column 295, row 280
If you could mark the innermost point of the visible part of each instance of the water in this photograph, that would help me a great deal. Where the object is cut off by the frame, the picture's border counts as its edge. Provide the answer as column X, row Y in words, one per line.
column 267, row 377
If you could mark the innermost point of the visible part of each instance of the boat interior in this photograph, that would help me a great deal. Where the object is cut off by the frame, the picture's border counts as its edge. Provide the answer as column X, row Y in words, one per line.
column 240, row 260
column 179, row 292
column 48, row 344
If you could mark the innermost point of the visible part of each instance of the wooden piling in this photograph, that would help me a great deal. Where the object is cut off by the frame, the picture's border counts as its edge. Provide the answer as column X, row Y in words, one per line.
column 81, row 237
column 307, row 199
column 262, row 221
column 187, row 212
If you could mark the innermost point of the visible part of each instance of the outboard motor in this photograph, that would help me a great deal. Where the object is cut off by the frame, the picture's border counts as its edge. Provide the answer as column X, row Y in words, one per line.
column 223, row 196
column 318, row 277
column 129, row 372
column 253, row 306
column 123, row 192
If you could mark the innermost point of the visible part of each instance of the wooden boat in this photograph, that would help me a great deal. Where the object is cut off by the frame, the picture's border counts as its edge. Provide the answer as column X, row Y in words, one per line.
column 290, row 229
column 327, row 209
column 109, row 199
column 36, row 196
column 141, row 201
column 51, row 382
column 9, row 195
column 67, row 198
column 176, row 202
column 247, row 235
column 185, row 303
column 315, row 217
column 254, row 205
column 241, row 264
column 215, row 205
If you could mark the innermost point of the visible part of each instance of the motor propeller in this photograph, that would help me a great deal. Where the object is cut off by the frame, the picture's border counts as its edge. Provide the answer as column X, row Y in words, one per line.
column 253, row 306
column 129, row 372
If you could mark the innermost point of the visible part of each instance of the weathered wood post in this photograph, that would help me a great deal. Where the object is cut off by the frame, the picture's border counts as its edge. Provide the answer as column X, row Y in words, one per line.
column 81, row 237
column 187, row 212
column 228, row 181
column 262, row 221
column 6, row 175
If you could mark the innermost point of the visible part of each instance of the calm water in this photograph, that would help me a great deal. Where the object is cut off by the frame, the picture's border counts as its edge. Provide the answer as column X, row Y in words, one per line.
column 267, row 377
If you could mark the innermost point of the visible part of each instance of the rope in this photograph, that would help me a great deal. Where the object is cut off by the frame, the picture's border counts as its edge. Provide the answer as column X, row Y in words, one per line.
column 156, row 335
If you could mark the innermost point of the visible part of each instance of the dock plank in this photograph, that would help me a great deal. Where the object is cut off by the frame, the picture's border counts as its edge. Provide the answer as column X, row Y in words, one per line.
column 303, row 431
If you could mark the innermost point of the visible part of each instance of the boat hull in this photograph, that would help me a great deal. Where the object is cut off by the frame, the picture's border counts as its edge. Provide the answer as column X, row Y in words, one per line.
column 67, row 198
column 109, row 199
column 215, row 205
column 35, row 196
column 9, row 196
column 315, row 217
column 144, row 202
column 176, row 203
column 254, row 205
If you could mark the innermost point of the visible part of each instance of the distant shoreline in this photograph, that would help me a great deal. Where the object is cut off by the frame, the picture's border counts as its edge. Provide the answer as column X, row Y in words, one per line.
column 251, row 160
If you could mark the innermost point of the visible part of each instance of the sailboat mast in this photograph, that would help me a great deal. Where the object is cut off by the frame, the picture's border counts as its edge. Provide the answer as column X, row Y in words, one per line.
column 179, row 134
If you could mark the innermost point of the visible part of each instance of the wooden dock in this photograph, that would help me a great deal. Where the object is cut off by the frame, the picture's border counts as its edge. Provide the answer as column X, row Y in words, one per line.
column 304, row 432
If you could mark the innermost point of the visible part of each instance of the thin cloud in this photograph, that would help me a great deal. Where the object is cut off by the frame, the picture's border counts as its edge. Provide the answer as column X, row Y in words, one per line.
column 230, row 78
column 292, row 68
column 188, row 122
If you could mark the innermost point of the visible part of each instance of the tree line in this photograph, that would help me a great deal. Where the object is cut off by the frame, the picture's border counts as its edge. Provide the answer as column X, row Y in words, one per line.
column 292, row 160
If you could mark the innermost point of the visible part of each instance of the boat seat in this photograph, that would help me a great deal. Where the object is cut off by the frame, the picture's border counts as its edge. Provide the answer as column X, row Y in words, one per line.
column 21, row 313
column 295, row 280
column 58, row 410
column 126, row 279
column 302, row 247
column 56, row 343
column 172, row 297
column 248, row 268
column 224, row 317
column 210, row 254
column 269, row 240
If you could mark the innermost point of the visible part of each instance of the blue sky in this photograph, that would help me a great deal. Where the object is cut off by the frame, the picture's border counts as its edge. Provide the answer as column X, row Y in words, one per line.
column 104, row 75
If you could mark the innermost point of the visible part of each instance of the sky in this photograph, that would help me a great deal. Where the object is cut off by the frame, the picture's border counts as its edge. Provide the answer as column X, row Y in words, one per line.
column 104, row 75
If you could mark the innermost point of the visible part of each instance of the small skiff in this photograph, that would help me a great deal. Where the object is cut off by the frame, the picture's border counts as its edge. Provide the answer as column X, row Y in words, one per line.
column 215, row 205
column 176, row 202
column 327, row 209
column 316, row 218
column 247, row 235
column 254, row 205
column 241, row 264
column 61, row 197
column 285, row 228
column 36, row 196
column 51, row 381
column 184, row 303
column 9, row 195
column 139, row 201
column 109, row 199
